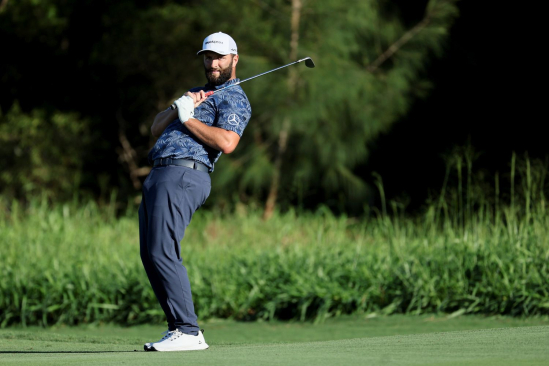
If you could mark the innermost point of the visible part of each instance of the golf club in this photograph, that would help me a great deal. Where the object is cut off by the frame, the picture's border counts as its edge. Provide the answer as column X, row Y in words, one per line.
column 308, row 62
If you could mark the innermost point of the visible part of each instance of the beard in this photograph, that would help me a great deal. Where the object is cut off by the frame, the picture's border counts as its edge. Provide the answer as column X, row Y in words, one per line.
column 224, row 75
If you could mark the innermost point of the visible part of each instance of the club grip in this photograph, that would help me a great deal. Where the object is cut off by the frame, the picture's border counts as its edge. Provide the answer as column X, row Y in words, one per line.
column 173, row 106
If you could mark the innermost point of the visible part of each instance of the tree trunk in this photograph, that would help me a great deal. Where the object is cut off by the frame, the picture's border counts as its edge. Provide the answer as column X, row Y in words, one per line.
column 286, row 124
column 128, row 155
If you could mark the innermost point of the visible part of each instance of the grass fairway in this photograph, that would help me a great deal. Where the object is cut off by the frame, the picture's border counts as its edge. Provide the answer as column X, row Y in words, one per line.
column 398, row 340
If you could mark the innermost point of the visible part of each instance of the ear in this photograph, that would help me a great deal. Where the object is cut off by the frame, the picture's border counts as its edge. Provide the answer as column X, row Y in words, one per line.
column 235, row 60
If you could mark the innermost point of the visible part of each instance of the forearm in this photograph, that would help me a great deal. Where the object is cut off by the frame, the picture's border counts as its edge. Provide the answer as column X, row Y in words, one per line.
column 162, row 120
column 215, row 137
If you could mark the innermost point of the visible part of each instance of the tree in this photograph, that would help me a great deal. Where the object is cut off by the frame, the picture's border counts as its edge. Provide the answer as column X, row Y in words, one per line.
column 116, row 64
column 310, row 128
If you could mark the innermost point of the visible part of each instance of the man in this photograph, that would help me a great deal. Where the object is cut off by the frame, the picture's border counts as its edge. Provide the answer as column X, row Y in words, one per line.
column 191, row 139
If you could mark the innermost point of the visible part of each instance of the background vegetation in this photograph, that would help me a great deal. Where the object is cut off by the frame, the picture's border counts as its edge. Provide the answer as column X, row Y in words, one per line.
column 74, row 264
column 405, row 174
column 398, row 84
column 78, row 99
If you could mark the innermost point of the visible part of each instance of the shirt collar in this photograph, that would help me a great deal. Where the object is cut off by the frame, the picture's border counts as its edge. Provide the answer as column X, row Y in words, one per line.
column 229, row 82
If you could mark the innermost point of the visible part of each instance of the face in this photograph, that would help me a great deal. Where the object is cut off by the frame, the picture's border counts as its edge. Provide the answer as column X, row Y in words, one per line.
column 219, row 68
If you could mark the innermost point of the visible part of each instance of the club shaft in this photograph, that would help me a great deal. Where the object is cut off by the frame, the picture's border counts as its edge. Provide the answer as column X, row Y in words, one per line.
column 173, row 106
column 266, row 72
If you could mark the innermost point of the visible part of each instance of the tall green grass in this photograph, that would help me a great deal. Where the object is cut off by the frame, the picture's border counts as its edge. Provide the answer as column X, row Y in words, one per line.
column 472, row 251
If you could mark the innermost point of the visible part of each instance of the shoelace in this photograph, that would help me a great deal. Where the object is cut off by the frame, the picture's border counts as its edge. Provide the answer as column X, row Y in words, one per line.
column 171, row 335
column 166, row 335
column 176, row 334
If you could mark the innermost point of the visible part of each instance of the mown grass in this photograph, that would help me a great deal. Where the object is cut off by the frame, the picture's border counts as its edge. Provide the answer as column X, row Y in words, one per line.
column 526, row 345
column 465, row 255
column 230, row 332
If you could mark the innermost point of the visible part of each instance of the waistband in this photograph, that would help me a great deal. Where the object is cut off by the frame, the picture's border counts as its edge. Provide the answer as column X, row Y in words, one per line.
column 189, row 163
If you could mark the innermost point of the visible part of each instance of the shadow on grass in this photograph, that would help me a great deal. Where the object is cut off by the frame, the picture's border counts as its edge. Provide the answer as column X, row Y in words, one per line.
column 17, row 352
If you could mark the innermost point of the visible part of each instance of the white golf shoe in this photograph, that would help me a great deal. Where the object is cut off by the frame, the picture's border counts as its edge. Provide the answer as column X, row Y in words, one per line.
column 175, row 340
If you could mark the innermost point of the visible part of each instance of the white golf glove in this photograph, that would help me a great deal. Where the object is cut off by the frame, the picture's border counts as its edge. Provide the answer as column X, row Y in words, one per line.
column 185, row 108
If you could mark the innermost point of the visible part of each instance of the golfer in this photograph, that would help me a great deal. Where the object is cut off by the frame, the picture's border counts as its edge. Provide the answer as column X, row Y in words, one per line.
column 191, row 140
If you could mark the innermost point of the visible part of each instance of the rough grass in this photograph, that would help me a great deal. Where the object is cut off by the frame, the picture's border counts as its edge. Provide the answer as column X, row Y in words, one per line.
column 80, row 265
column 466, row 254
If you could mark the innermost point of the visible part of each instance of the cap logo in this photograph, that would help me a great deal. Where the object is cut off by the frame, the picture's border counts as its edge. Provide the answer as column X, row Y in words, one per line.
column 220, row 43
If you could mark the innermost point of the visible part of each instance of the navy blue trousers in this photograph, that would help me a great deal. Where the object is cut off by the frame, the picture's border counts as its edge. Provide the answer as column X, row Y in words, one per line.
column 171, row 195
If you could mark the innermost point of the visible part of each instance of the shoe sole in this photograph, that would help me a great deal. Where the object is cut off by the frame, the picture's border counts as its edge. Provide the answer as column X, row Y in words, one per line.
column 152, row 349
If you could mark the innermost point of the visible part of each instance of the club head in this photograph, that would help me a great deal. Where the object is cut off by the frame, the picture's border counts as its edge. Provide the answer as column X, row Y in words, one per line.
column 309, row 62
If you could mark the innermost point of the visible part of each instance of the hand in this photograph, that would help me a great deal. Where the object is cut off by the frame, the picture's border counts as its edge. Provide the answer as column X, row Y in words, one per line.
column 185, row 107
column 198, row 97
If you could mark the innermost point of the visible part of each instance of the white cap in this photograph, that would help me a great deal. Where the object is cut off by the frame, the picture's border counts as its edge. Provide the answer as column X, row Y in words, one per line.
column 219, row 43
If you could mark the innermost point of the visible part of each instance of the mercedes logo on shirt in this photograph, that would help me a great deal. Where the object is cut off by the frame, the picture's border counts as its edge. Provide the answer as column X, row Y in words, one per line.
column 233, row 120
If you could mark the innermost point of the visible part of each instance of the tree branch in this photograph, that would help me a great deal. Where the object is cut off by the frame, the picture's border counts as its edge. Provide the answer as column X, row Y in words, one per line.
column 398, row 44
column 128, row 155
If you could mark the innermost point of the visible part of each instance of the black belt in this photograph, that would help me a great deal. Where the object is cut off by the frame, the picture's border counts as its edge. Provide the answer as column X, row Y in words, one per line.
column 182, row 162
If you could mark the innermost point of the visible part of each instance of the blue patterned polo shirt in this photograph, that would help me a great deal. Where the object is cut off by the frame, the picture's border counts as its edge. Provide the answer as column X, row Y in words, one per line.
column 229, row 110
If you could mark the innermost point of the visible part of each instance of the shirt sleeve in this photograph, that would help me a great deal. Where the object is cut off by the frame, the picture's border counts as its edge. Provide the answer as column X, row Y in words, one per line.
column 234, row 112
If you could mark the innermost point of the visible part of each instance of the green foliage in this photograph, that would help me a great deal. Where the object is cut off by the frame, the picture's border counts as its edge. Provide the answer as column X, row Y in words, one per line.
column 150, row 49
column 120, row 63
column 78, row 264
column 43, row 152
column 47, row 18
column 338, row 107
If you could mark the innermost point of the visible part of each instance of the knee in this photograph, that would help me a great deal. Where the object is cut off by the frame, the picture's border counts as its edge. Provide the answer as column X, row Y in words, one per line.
column 161, row 260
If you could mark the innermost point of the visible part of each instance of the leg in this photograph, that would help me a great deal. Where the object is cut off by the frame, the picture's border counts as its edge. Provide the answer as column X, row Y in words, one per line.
column 152, row 273
column 171, row 196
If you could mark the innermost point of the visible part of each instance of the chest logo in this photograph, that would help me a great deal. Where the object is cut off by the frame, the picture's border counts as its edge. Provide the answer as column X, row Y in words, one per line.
column 233, row 119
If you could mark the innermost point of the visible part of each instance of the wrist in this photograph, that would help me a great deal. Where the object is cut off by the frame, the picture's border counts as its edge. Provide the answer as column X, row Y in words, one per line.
column 185, row 108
